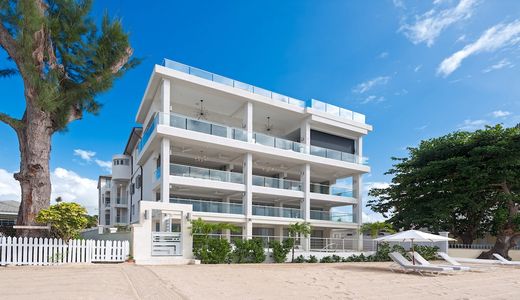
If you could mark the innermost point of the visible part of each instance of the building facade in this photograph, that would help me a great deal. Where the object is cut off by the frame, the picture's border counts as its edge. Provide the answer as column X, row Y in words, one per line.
column 239, row 154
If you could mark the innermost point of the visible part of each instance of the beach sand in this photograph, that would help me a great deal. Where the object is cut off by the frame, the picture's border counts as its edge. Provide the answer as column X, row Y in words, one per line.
column 258, row 281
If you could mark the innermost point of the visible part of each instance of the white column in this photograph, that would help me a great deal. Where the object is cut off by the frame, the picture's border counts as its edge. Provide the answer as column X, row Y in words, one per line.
column 165, row 170
column 165, row 101
column 305, row 135
column 305, row 178
column 359, row 148
column 278, row 232
column 357, row 185
column 248, row 194
column 444, row 245
column 247, row 123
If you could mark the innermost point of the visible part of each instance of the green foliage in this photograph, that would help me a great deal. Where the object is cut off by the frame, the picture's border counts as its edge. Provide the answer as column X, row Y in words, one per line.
column 62, row 54
column 210, row 250
column 312, row 259
column 300, row 259
column 280, row 250
column 467, row 183
column 248, row 251
column 326, row 259
column 67, row 219
column 376, row 228
column 428, row 252
column 92, row 221
column 298, row 230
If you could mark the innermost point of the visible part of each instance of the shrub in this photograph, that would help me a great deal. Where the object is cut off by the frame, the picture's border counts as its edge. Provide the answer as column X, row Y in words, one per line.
column 216, row 252
column 280, row 250
column 428, row 252
column 312, row 259
column 326, row 259
column 67, row 219
column 248, row 251
column 336, row 258
column 300, row 259
column 384, row 249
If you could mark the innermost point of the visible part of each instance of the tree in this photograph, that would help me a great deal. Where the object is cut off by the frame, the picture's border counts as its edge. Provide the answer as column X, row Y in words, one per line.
column 92, row 221
column 207, row 248
column 67, row 219
column 377, row 227
column 65, row 61
column 298, row 230
column 464, row 182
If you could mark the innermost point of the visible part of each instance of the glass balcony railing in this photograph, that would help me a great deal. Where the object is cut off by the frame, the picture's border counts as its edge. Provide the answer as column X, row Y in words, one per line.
column 183, row 122
column 211, row 206
column 232, row 83
column 121, row 200
column 337, row 155
column 157, row 173
column 277, row 183
column 335, row 190
column 275, row 142
column 331, row 216
column 147, row 133
column 203, row 173
column 337, row 111
column 281, row 212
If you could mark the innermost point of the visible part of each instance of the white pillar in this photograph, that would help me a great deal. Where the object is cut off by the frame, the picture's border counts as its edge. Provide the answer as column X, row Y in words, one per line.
column 305, row 178
column 357, row 185
column 247, row 123
column 278, row 232
column 165, row 170
column 248, row 194
column 443, row 247
column 165, row 101
column 305, row 135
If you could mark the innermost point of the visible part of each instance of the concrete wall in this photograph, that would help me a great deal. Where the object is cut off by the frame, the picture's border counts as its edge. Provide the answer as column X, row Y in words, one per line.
column 474, row 253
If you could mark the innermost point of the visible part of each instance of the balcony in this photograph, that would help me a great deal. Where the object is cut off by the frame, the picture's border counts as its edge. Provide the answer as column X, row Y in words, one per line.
column 277, row 183
column 187, row 123
column 211, row 206
column 146, row 135
column 203, row 173
column 337, row 111
column 121, row 200
column 331, row 216
column 280, row 212
column 232, row 83
column 333, row 190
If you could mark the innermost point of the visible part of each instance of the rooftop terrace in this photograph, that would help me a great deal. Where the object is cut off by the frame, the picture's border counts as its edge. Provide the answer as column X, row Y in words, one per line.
column 314, row 104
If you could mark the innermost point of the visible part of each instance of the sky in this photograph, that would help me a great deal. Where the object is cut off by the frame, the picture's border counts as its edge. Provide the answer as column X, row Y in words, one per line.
column 416, row 69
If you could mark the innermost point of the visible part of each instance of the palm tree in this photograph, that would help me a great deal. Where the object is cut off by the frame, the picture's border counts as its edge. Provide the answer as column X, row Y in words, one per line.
column 377, row 227
column 298, row 229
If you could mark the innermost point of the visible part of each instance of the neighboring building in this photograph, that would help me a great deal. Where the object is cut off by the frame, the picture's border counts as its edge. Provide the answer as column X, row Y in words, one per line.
column 238, row 154
column 8, row 212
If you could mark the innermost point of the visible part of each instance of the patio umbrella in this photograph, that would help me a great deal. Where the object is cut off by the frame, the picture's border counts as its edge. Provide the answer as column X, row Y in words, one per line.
column 414, row 236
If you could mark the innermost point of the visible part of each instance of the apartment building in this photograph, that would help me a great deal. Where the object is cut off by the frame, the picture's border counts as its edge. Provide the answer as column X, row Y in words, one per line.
column 239, row 154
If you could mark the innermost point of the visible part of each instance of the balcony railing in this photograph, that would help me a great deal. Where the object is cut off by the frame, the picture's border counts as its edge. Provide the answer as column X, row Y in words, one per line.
column 334, row 190
column 147, row 133
column 157, row 173
column 121, row 200
column 203, row 173
column 211, row 206
column 230, row 82
column 277, row 183
column 331, row 216
column 272, row 211
column 337, row 111
column 187, row 123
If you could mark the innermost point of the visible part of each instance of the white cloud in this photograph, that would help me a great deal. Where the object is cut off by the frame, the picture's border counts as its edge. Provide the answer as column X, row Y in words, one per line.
column 107, row 165
column 373, row 99
column 382, row 55
column 428, row 26
column 470, row 125
column 504, row 63
column 9, row 187
column 369, row 84
column 421, row 128
column 500, row 113
column 368, row 215
column 417, row 68
column 494, row 38
column 66, row 184
column 86, row 155
column 399, row 4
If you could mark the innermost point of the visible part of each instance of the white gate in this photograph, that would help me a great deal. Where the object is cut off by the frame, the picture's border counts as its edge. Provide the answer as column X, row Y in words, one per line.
column 44, row 251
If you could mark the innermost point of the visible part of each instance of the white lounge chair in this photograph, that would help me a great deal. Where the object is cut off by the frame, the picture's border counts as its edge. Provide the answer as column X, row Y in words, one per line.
column 505, row 261
column 406, row 265
column 458, row 260
column 422, row 261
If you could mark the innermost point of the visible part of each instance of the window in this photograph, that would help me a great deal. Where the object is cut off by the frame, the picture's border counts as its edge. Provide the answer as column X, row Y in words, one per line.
column 121, row 162
column 132, row 188
column 138, row 181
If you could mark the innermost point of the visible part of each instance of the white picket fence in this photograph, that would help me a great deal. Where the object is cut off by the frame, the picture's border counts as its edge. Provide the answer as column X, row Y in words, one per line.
column 44, row 251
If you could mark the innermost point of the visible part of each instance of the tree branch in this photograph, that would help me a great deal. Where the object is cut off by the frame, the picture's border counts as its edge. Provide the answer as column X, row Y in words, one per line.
column 7, row 42
column 16, row 124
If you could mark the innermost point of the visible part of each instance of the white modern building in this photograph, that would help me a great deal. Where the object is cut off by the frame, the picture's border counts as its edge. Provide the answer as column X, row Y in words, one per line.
column 239, row 154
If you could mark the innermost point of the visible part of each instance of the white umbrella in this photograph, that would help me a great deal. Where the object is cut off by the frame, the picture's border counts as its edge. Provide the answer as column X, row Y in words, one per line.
column 414, row 236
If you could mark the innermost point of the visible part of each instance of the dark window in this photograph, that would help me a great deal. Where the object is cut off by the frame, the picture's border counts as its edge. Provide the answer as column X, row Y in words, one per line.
column 334, row 142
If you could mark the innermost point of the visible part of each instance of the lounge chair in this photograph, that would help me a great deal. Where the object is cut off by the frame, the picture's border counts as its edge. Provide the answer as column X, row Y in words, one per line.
column 505, row 261
column 457, row 260
column 406, row 265
column 422, row 261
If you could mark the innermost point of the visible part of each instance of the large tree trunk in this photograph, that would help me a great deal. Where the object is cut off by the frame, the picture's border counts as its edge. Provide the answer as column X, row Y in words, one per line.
column 503, row 243
column 35, row 145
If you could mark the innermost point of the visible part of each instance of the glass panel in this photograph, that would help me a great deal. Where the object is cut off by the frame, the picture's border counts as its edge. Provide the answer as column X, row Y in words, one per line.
column 198, row 126
column 283, row 144
column 258, row 180
column 179, row 170
column 263, row 139
column 318, row 105
column 333, row 110
column 219, row 130
column 201, row 73
column 222, row 79
column 280, row 97
column 176, row 66
column 318, row 151
column 240, row 135
column 243, row 86
column 333, row 154
column 177, row 121
column 261, row 91
column 345, row 113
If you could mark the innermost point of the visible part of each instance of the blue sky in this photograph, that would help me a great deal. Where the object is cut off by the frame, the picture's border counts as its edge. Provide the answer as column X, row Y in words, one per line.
column 417, row 69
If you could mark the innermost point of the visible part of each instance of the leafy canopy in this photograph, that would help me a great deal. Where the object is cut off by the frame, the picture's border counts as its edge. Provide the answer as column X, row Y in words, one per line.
column 464, row 182
column 67, row 219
